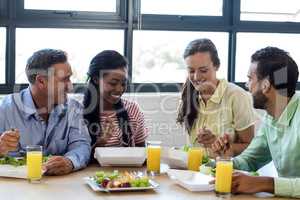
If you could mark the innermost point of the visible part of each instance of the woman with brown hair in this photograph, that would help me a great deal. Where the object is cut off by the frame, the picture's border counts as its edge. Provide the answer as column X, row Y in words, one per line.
column 211, row 107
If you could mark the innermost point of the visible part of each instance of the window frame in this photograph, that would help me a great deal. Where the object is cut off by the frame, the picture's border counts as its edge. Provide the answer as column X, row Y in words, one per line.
column 126, row 18
column 5, row 60
column 69, row 15
column 53, row 31
column 3, row 9
column 268, row 21
column 185, row 22
column 3, row 24
column 261, row 27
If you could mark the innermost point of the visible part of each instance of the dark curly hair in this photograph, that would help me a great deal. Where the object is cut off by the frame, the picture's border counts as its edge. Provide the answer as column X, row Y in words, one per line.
column 105, row 60
column 278, row 67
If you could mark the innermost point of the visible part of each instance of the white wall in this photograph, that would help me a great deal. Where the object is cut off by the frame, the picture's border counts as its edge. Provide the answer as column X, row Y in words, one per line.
column 160, row 110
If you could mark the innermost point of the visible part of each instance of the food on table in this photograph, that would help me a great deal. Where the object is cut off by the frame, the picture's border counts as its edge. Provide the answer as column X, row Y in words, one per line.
column 208, row 168
column 120, row 180
column 7, row 160
column 254, row 173
column 205, row 159
column 186, row 148
column 17, row 161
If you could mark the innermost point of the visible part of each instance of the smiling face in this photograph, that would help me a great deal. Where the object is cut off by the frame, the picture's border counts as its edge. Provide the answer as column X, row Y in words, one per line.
column 57, row 84
column 201, row 71
column 113, row 85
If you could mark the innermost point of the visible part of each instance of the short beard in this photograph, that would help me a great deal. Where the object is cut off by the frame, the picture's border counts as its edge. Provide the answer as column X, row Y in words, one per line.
column 259, row 100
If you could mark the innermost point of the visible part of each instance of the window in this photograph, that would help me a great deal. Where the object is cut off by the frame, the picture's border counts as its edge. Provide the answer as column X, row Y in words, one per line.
column 179, row 7
column 158, row 55
column 151, row 33
column 80, row 44
column 248, row 43
column 76, row 5
column 2, row 54
column 270, row 10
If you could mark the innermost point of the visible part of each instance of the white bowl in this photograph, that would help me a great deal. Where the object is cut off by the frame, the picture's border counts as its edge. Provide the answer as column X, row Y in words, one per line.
column 120, row 156
column 175, row 158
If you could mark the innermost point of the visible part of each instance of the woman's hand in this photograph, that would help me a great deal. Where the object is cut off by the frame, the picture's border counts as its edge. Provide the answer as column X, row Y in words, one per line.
column 206, row 137
column 222, row 146
column 107, row 132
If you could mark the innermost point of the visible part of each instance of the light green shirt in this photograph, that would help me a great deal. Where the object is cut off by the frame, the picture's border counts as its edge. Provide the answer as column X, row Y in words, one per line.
column 228, row 110
column 277, row 140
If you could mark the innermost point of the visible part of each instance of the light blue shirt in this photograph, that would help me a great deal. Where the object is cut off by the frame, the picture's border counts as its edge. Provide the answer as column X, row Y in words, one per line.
column 64, row 134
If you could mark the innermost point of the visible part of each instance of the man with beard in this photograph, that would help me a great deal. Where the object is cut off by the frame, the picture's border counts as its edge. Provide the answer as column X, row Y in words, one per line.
column 273, row 76
column 43, row 115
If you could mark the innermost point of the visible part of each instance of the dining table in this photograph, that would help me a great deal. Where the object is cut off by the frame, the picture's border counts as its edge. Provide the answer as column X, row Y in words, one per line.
column 73, row 187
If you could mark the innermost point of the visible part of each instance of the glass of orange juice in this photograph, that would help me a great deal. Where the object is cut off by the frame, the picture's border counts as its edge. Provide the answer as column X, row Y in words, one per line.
column 195, row 155
column 224, row 170
column 34, row 154
column 153, row 157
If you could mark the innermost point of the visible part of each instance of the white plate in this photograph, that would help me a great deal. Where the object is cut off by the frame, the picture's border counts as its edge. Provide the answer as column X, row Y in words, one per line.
column 97, row 188
column 13, row 171
column 120, row 156
column 193, row 181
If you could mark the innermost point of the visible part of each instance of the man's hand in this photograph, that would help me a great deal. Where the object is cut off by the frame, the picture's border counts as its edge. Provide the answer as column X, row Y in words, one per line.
column 58, row 165
column 222, row 146
column 206, row 137
column 245, row 184
column 242, row 183
column 9, row 141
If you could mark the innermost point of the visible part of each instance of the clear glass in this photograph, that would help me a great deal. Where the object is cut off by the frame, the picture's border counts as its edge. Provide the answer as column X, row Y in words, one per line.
column 75, row 5
column 158, row 55
column 153, row 157
column 248, row 43
column 270, row 10
column 195, row 155
column 179, row 7
column 80, row 44
column 34, row 155
column 224, row 170
column 2, row 54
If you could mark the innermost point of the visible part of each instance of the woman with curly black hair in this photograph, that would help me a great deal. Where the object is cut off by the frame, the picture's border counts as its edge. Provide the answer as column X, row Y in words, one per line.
column 112, row 120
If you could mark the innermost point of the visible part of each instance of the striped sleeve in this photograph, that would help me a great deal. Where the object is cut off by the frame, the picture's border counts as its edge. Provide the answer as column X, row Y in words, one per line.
column 137, row 122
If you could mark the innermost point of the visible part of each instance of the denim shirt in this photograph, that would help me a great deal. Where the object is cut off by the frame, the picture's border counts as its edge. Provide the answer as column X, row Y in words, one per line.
column 64, row 134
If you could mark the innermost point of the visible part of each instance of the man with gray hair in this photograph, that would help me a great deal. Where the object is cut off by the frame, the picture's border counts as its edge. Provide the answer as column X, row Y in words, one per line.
column 43, row 115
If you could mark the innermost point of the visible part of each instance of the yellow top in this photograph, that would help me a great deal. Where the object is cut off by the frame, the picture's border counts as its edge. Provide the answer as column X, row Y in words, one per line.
column 228, row 110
